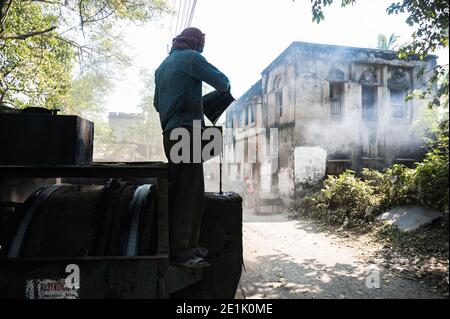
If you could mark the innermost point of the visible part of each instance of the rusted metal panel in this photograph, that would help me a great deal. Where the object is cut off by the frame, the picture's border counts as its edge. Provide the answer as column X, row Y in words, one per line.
column 221, row 234
column 45, row 139
column 97, row 170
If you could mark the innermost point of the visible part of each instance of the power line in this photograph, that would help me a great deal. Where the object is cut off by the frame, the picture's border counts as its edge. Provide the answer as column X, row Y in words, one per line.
column 183, row 16
column 172, row 17
column 192, row 12
column 188, row 14
column 172, row 23
column 178, row 17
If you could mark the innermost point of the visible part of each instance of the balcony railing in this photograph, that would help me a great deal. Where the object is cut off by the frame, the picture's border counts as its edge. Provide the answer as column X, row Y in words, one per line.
column 335, row 107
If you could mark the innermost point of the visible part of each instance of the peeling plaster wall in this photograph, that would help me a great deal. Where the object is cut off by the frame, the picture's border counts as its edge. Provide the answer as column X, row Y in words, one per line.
column 282, row 75
column 286, row 182
column 266, row 177
column 310, row 164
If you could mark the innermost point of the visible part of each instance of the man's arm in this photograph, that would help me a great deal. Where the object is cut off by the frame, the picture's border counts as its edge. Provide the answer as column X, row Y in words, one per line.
column 208, row 73
column 155, row 99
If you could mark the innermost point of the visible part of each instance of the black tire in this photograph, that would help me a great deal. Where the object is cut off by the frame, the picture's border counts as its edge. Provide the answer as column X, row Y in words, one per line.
column 83, row 220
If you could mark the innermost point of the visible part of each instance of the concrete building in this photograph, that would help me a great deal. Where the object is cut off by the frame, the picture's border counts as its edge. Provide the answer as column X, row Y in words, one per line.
column 333, row 107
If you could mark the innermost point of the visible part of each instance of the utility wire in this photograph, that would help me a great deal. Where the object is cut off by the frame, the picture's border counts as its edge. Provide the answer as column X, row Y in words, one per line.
column 183, row 16
column 192, row 12
column 188, row 13
column 172, row 16
column 172, row 24
column 178, row 17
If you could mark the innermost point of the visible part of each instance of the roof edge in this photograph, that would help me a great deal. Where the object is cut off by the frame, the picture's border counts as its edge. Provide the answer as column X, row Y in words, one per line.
column 332, row 46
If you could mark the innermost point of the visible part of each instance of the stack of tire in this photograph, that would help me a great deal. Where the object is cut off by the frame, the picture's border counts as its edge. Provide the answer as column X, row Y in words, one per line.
column 65, row 220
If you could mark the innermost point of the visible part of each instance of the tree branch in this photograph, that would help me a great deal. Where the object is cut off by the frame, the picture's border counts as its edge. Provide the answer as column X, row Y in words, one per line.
column 26, row 35
column 59, row 3
column 4, row 8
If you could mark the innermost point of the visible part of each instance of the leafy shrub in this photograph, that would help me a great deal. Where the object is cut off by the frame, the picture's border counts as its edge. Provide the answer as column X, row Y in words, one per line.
column 373, row 177
column 432, row 176
column 345, row 200
column 349, row 191
column 398, row 186
column 394, row 186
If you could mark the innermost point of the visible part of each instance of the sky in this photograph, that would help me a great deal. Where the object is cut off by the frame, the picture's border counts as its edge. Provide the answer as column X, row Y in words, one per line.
column 245, row 36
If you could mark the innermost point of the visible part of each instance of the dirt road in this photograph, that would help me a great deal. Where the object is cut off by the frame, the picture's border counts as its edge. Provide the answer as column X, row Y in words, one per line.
column 286, row 258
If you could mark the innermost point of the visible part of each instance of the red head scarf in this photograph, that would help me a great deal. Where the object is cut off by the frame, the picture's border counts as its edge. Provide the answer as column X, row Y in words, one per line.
column 189, row 39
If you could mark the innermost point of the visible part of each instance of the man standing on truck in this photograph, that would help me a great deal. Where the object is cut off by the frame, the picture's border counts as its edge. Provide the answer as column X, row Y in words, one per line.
column 178, row 99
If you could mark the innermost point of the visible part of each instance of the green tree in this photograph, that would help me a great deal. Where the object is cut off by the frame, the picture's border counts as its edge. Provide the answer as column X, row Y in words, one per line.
column 385, row 43
column 151, row 130
column 86, row 98
column 86, row 95
column 41, row 40
column 35, row 66
column 430, row 18
column 432, row 174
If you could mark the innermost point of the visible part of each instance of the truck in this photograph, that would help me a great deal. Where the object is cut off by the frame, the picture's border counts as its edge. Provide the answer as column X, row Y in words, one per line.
column 72, row 228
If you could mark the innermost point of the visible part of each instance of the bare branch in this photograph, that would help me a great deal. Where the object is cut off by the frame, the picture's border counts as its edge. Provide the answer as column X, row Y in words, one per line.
column 80, row 8
column 26, row 35
column 49, row 2
column 4, row 8
column 103, row 17
column 89, row 19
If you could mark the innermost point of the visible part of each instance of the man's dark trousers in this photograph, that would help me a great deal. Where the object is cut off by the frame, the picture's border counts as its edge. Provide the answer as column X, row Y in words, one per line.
column 186, row 191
